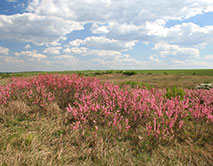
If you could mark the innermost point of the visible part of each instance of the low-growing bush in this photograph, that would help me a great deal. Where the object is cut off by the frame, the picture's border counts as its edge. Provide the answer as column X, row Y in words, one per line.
column 74, row 120
column 129, row 73
column 137, row 84
column 175, row 92
column 4, row 75
column 92, row 104
column 109, row 72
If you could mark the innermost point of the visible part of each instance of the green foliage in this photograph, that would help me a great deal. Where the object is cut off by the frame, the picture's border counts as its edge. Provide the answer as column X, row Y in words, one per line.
column 4, row 164
column 109, row 72
column 119, row 71
column 175, row 92
column 4, row 75
column 137, row 84
column 129, row 73
column 103, row 72
column 58, row 133
column 98, row 73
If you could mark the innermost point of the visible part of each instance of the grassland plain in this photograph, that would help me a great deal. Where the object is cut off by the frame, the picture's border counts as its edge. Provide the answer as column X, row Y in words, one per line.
column 153, row 78
column 33, row 135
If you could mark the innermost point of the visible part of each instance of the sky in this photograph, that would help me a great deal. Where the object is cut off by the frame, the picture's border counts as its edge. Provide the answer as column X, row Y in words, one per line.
column 59, row 35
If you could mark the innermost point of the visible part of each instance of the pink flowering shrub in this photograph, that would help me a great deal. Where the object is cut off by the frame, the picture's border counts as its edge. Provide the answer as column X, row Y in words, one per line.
column 92, row 104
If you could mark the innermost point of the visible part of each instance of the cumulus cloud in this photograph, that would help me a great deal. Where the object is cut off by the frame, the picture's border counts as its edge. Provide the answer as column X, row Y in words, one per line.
column 84, row 51
column 104, row 43
column 79, row 50
column 128, row 11
column 154, row 58
column 52, row 50
column 4, row 51
column 131, row 20
column 32, row 54
column 189, row 34
column 97, row 29
column 186, row 34
column 208, row 57
column 117, row 27
column 147, row 32
column 28, row 27
column 68, row 58
column 104, row 53
column 166, row 49
column 10, row 60
column 27, row 46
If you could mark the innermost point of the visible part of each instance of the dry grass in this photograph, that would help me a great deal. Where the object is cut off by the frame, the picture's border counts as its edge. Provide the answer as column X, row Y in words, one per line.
column 43, row 137
column 31, row 136
column 159, row 80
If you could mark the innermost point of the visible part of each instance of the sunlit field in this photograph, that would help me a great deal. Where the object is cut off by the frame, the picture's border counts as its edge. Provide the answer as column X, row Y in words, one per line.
column 94, row 118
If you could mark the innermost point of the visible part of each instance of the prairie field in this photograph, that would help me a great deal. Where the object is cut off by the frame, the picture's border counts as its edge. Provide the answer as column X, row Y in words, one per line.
column 112, row 117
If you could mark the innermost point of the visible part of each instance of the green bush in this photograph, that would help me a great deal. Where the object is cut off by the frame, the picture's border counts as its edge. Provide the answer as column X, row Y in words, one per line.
column 175, row 92
column 129, row 73
column 109, row 72
column 4, row 75
column 119, row 71
column 133, row 84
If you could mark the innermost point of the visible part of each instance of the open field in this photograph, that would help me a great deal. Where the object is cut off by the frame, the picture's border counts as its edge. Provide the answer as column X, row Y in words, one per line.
column 158, row 80
column 73, row 120
column 153, row 78
column 204, row 72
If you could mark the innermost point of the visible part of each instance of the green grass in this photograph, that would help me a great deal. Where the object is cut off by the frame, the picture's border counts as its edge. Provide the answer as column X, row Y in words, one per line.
column 134, row 84
column 200, row 72
column 206, row 72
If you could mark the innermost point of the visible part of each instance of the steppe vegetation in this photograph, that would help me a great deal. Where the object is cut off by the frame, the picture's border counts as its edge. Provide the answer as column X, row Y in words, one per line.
column 104, row 118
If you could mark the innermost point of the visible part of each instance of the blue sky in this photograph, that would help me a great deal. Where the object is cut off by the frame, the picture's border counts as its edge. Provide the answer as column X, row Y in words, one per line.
column 62, row 35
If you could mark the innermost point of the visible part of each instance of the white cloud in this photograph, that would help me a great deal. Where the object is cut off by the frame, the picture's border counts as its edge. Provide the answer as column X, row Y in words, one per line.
column 147, row 32
column 67, row 50
column 40, row 30
column 76, row 42
column 93, row 52
column 52, row 50
column 153, row 58
column 185, row 34
column 120, row 24
column 11, row 0
column 208, row 57
column 79, row 50
column 104, row 43
column 190, row 34
column 32, row 54
column 27, row 46
column 105, row 53
column 96, row 29
column 178, row 62
column 128, row 11
column 67, row 57
column 10, row 60
column 4, row 51
column 166, row 49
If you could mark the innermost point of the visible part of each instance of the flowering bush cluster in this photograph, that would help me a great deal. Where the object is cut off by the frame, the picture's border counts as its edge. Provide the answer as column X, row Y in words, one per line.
column 94, row 104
